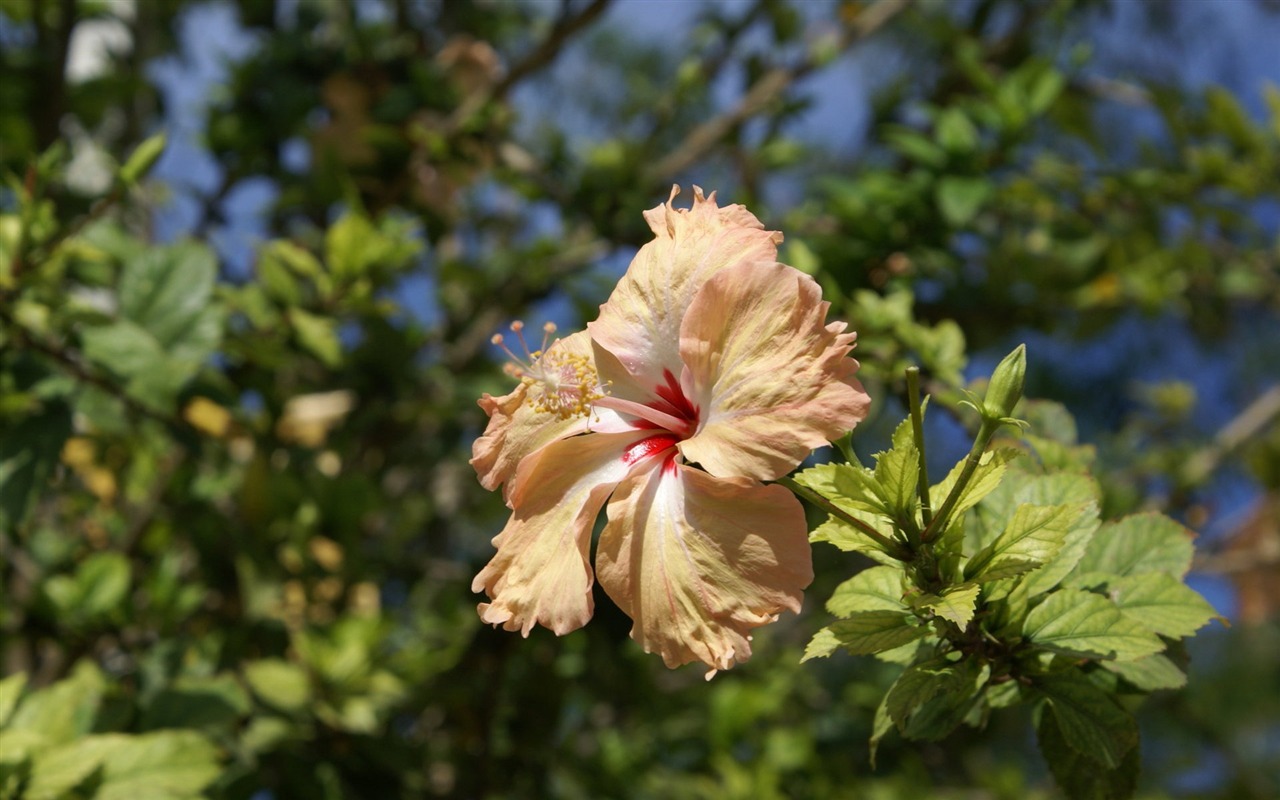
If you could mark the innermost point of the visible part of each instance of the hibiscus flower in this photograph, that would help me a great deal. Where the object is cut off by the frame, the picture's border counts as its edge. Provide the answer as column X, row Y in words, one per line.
column 710, row 370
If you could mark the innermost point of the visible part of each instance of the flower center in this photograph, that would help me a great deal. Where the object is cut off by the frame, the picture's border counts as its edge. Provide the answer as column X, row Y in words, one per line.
column 560, row 383
column 670, row 410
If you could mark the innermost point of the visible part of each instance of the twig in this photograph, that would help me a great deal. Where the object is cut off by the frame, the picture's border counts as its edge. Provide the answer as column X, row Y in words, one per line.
column 547, row 50
column 72, row 364
column 764, row 91
column 891, row 547
column 971, row 464
column 1243, row 427
column 48, row 248
column 1252, row 559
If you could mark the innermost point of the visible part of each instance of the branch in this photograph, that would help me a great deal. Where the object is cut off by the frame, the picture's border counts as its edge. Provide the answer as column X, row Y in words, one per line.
column 472, row 334
column 1258, row 558
column 72, row 364
column 889, row 546
column 765, row 91
column 547, row 50
column 1245, row 426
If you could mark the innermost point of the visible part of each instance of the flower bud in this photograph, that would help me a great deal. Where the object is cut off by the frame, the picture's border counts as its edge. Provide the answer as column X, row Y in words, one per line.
column 1005, row 389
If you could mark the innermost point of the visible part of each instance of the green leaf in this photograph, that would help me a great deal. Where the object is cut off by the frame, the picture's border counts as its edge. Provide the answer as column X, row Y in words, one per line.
column 1085, row 624
column 1064, row 489
column 929, row 700
column 956, row 603
column 1044, row 89
column 955, row 132
column 960, row 199
column 277, row 280
column 279, row 683
column 914, row 687
column 880, row 727
column 1138, row 544
column 1089, row 719
column 1004, row 695
column 123, row 347
column 1081, row 777
column 143, row 158
column 28, row 454
column 10, row 690
column 874, row 589
column 169, row 765
column 849, row 486
column 1149, row 674
column 57, row 771
column 1033, row 537
column 866, row 632
column 103, row 581
column 354, row 247
column 909, row 653
column 98, row 588
column 167, row 289
column 318, row 335
column 64, row 710
column 347, row 245
column 823, row 644
column 152, row 374
column 990, row 471
column 915, row 146
column 851, row 539
column 299, row 260
column 904, row 435
column 1162, row 603
column 897, row 473
column 206, row 703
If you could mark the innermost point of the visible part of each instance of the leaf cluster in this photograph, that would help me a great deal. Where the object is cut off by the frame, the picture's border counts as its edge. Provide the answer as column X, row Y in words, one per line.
column 1015, row 594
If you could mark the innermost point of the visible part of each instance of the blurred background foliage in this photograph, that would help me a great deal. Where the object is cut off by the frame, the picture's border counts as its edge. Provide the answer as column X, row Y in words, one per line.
column 237, row 526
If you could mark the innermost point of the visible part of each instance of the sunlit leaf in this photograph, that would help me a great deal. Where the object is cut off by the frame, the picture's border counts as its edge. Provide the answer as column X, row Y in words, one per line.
column 1137, row 544
column 874, row 589
column 1083, row 623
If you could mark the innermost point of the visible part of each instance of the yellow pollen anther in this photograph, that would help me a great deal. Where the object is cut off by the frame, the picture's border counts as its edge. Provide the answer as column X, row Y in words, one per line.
column 560, row 383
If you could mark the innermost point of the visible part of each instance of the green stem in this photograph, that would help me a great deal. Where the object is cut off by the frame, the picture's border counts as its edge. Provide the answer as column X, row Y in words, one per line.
column 917, row 429
column 971, row 463
column 845, row 445
column 891, row 547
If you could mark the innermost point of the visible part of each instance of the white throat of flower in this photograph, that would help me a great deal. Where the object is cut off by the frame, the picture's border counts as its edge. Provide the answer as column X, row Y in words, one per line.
column 560, row 383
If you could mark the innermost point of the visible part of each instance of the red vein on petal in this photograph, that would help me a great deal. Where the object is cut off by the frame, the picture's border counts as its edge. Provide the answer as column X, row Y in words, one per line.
column 676, row 425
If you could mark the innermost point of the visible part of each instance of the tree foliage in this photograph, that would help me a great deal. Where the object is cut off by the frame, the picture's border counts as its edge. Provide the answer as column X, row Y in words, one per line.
column 237, row 525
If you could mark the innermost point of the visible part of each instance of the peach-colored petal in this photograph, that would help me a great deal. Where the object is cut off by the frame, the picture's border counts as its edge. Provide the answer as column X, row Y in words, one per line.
column 640, row 323
column 541, row 573
column 516, row 428
column 771, row 378
column 697, row 561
